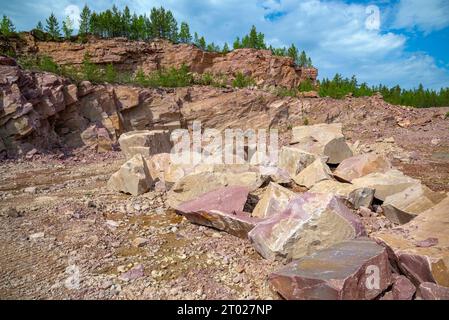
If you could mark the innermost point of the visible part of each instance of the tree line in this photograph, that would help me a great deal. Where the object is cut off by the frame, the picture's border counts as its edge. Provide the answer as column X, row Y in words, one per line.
column 162, row 24
column 339, row 87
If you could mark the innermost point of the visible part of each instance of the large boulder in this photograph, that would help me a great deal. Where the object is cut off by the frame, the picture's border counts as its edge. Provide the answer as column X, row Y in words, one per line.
column 145, row 142
column 357, row 196
column 404, row 206
column 193, row 185
column 402, row 289
column 293, row 160
column 314, row 173
column 221, row 209
column 432, row 291
column 350, row 270
column 361, row 165
column 133, row 177
column 420, row 247
column 386, row 184
column 273, row 201
column 310, row 222
column 323, row 139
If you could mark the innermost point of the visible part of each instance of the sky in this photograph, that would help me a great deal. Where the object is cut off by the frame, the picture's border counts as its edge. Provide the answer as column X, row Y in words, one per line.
column 403, row 42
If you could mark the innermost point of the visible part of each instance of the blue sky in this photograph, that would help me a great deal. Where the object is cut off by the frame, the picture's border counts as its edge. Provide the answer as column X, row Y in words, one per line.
column 405, row 42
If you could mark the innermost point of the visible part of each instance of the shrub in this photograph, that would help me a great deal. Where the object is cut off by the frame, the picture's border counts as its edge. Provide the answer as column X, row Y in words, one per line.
column 306, row 121
column 242, row 81
column 306, row 86
column 284, row 92
column 110, row 74
column 446, row 116
column 48, row 64
column 91, row 71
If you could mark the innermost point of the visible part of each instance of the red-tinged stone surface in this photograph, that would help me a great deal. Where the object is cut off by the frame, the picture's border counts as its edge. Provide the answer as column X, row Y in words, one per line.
column 361, row 165
column 420, row 247
column 432, row 291
column 351, row 270
column 310, row 222
column 221, row 209
column 402, row 289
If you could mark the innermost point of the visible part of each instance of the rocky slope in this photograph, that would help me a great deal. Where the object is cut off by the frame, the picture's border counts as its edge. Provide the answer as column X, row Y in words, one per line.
column 129, row 56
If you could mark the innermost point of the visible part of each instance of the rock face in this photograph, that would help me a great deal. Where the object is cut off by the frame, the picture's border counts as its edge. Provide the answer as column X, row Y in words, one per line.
column 322, row 139
column 386, row 184
column 402, row 207
column 357, row 196
column 351, row 270
column 273, row 201
column 196, row 184
column 133, row 177
column 361, row 165
column 265, row 68
column 309, row 223
column 402, row 289
column 432, row 291
column 316, row 172
column 221, row 209
column 146, row 143
column 420, row 247
column 293, row 160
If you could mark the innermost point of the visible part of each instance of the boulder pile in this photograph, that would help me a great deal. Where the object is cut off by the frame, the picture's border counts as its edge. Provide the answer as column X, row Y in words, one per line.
column 308, row 211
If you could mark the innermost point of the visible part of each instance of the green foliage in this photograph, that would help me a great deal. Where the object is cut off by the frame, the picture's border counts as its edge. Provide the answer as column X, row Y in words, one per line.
column 225, row 48
column 110, row 74
column 52, row 27
column 208, row 79
column 446, row 116
column 91, row 71
column 306, row 86
column 39, row 26
column 285, row 92
column 254, row 40
column 84, row 27
column 305, row 121
column 339, row 87
column 242, row 81
column 184, row 33
column 67, row 27
column 6, row 26
column 163, row 24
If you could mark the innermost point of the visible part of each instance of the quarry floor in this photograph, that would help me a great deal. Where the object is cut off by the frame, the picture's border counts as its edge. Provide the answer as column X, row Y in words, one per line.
column 64, row 235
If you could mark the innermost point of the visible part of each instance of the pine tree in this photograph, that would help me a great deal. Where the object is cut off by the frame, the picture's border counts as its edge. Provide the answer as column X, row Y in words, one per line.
column 292, row 52
column 6, row 26
column 303, row 60
column 126, row 22
column 237, row 44
column 225, row 48
column 39, row 26
column 196, row 39
column 85, row 22
column 52, row 27
column 67, row 27
column 202, row 43
column 184, row 33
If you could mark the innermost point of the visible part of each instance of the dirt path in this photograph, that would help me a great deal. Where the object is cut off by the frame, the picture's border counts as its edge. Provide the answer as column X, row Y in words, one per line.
column 74, row 239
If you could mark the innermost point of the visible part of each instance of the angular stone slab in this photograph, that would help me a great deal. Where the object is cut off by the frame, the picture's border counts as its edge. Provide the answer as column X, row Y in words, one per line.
column 316, row 172
column 221, row 209
column 133, row 177
column 386, row 184
column 350, row 270
column 402, row 207
column 420, row 248
column 402, row 289
column 145, row 142
column 323, row 139
column 294, row 160
column 310, row 222
column 193, row 185
column 357, row 196
column 362, row 165
column 432, row 291
column 273, row 201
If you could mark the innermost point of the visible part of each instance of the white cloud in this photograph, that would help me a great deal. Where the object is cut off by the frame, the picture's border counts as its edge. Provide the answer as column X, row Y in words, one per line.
column 73, row 12
column 333, row 32
column 426, row 15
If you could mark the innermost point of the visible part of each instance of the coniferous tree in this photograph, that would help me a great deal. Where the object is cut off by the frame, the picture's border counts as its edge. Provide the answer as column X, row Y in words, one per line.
column 52, row 27
column 202, row 43
column 184, row 33
column 126, row 22
column 196, row 39
column 302, row 61
column 6, row 26
column 85, row 21
column 67, row 27
column 237, row 44
column 292, row 52
column 39, row 26
column 225, row 48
